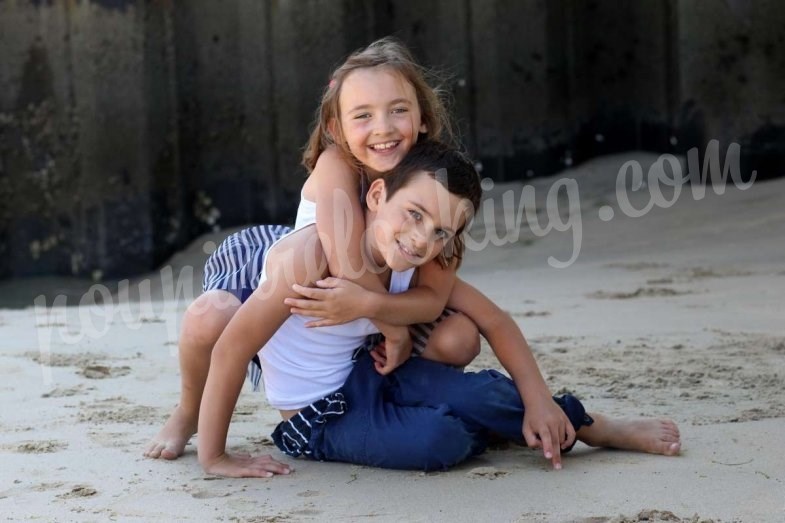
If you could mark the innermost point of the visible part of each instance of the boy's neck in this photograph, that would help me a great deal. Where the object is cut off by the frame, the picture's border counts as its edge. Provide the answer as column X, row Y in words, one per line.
column 371, row 250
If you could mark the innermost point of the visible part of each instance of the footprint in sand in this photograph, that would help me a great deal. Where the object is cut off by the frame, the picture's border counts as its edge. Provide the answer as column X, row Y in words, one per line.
column 79, row 491
column 65, row 392
column 56, row 359
column 640, row 292
column 309, row 493
column 531, row 314
column 206, row 494
column 38, row 447
column 486, row 473
column 100, row 372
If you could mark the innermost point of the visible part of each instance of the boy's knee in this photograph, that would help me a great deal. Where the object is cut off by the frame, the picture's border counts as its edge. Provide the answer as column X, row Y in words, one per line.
column 455, row 341
column 444, row 442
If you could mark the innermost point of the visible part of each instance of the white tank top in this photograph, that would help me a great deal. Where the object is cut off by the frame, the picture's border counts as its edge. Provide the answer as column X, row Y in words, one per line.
column 301, row 365
column 306, row 213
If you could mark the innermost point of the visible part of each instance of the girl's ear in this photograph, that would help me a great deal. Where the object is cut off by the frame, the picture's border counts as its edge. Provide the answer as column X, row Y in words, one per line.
column 376, row 194
column 332, row 128
column 423, row 128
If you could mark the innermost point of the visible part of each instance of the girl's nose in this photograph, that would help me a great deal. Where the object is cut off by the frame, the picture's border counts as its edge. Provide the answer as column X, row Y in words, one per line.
column 383, row 125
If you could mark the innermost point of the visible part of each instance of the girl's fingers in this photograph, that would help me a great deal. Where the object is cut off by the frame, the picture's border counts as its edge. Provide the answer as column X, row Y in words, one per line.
column 328, row 283
column 301, row 303
column 320, row 323
column 309, row 292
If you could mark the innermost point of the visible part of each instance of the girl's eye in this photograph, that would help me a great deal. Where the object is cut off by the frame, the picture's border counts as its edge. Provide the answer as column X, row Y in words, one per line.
column 442, row 234
column 416, row 215
column 361, row 116
column 400, row 110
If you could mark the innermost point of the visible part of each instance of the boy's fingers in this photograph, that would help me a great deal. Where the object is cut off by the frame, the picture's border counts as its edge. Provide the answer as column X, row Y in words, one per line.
column 569, row 436
column 378, row 358
column 532, row 441
column 556, row 450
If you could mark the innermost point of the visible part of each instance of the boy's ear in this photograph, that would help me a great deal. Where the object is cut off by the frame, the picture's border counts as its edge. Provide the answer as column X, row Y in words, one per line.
column 377, row 193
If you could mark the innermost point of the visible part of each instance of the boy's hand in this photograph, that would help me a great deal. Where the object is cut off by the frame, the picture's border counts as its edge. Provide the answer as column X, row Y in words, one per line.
column 546, row 426
column 391, row 353
column 335, row 301
column 246, row 466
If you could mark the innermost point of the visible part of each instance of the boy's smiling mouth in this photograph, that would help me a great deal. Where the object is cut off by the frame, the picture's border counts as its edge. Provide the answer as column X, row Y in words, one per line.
column 407, row 252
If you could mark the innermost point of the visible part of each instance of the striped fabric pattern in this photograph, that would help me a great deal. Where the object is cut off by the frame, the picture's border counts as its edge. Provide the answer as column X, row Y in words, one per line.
column 238, row 261
column 422, row 331
column 292, row 436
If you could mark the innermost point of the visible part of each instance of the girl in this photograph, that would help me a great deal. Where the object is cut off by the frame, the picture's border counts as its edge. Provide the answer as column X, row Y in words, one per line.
column 426, row 415
column 377, row 105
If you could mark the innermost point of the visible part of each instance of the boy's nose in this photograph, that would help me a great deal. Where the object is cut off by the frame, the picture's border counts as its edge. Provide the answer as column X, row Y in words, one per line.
column 419, row 240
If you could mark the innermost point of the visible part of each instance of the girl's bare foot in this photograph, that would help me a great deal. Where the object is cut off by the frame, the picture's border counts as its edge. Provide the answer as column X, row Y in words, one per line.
column 171, row 440
column 655, row 436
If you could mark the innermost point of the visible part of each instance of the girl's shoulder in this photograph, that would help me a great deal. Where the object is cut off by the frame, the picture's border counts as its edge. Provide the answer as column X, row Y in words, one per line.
column 331, row 171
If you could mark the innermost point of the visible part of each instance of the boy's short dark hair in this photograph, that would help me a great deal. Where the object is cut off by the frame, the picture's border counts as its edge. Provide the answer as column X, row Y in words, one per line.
column 449, row 167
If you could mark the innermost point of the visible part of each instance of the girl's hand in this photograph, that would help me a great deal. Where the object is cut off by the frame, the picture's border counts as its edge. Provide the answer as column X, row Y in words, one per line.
column 246, row 466
column 335, row 301
column 546, row 426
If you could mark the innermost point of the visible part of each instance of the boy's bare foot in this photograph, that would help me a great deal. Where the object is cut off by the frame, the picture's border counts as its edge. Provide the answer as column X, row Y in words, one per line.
column 655, row 436
column 171, row 440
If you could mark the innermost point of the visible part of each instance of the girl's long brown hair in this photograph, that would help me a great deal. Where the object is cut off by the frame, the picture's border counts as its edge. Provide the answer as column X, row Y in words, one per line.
column 386, row 52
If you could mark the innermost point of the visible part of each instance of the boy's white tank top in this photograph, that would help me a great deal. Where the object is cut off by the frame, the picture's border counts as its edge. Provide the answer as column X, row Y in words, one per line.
column 301, row 365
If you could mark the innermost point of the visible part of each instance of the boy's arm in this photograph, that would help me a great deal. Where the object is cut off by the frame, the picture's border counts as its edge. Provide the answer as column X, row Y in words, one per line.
column 251, row 327
column 545, row 424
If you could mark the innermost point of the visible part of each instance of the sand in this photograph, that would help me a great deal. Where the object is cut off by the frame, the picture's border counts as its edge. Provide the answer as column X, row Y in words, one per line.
column 677, row 313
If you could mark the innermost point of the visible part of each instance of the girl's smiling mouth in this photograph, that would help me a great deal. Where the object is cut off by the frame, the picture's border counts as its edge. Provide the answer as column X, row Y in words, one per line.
column 385, row 146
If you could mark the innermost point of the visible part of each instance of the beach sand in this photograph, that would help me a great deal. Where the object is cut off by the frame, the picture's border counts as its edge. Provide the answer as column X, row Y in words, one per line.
column 677, row 313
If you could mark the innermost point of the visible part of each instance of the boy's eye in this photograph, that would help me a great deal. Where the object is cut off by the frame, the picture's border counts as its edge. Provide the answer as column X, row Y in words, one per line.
column 416, row 215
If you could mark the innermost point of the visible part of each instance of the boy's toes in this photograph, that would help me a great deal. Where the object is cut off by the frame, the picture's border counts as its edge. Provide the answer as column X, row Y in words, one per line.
column 671, row 449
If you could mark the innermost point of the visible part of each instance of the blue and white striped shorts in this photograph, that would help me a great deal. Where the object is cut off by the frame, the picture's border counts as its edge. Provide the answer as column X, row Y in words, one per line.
column 236, row 265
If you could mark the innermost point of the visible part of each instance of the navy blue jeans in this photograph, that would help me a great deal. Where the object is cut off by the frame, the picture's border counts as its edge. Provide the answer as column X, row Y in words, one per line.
column 425, row 416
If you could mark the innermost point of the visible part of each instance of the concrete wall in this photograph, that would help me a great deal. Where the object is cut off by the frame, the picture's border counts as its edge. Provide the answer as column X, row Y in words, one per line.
column 127, row 127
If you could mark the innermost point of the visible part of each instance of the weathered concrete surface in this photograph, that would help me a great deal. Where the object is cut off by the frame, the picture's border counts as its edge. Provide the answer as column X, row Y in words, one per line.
column 129, row 127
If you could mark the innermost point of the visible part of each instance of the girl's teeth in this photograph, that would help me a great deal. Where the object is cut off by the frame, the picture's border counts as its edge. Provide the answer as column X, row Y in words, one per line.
column 382, row 146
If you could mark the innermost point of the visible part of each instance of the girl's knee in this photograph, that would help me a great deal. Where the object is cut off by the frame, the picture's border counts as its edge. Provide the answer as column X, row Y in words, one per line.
column 455, row 341
column 207, row 317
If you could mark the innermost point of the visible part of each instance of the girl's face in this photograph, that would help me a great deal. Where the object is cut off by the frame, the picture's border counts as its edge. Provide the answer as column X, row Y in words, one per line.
column 380, row 117
column 412, row 228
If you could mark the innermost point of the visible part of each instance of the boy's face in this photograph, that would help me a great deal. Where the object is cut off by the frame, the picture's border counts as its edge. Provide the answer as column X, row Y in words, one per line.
column 380, row 117
column 412, row 228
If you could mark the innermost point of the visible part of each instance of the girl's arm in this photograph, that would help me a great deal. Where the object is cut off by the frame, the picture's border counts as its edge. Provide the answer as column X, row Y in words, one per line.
column 250, row 328
column 337, row 301
column 545, row 424
column 341, row 223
